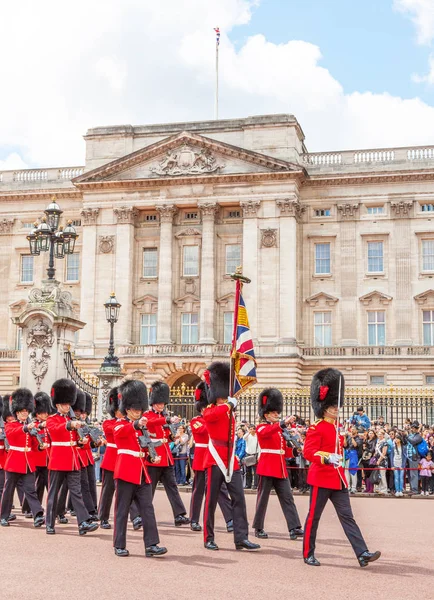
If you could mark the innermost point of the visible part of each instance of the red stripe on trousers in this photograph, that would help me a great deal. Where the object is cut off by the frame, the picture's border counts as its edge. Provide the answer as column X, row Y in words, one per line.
column 310, row 521
column 205, row 512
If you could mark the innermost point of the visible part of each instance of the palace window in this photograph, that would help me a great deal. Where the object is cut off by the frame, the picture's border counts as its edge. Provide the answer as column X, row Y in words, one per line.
column 150, row 258
column 322, row 259
column 76, row 223
column 190, row 216
column 427, row 255
column 375, row 210
column 376, row 380
column 376, row 328
column 428, row 327
column 151, row 218
column 189, row 328
column 191, row 261
column 323, row 212
column 233, row 214
column 375, row 257
column 19, row 339
column 26, row 269
column 429, row 379
column 228, row 327
column 323, row 328
column 72, row 266
column 148, row 329
column 28, row 225
column 233, row 258
column 427, row 207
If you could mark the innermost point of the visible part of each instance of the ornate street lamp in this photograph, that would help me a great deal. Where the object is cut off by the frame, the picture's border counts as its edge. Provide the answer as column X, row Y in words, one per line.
column 112, row 307
column 47, row 238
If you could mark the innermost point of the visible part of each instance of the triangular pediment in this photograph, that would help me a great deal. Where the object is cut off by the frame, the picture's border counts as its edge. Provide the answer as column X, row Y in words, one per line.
column 227, row 300
column 188, row 299
column 425, row 297
column 147, row 299
column 375, row 296
column 321, row 297
column 186, row 155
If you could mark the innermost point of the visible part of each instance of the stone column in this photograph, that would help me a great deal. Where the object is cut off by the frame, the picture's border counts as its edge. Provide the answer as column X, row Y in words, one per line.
column 88, row 259
column 165, row 267
column 348, row 303
column 124, row 265
column 207, row 275
column 250, row 261
column 403, row 302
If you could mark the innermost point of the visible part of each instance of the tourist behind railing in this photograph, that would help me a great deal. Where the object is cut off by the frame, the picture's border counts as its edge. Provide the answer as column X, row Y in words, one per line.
column 368, row 459
column 398, row 460
column 180, row 455
column 360, row 419
column 251, row 458
column 413, row 440
column 426, row 473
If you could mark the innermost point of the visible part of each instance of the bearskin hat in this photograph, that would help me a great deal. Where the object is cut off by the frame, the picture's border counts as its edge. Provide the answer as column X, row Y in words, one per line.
column 112, row 404
column 324, row 390
column 42, row 404
column 6, row 411
column 22, row 399
column 63, row 391
column 159, row 393
column 201, row 396
column 269, row 400
column 1, row 405
column 80, row 402
column 133, row 395
column 88, row 403
column 217, row 378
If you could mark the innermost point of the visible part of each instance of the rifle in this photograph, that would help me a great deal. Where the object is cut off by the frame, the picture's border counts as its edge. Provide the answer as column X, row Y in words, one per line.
column 172, row 427
column 145, row 441
column 36, row 432
column 82, row 431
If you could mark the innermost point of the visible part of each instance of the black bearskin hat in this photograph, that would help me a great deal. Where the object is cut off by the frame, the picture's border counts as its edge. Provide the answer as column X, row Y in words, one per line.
column 6, row 411
column 159, row 393
column 133, row 395
column 88, row 404
column 269, row 400
column 1, row 405
column 201, row 396
column 217, row 378
column 63, row 391
column 22, row 399
column 324, row 390
column 80, row 402
column 112, row 404
column 42, row 404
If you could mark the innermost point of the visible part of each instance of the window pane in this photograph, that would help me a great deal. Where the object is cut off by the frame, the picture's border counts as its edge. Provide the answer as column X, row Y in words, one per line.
column 72, row 266
column 428, row 334
column 381, row 335
column 377, row 379
column 323, row 329
column 375, row 257
column 372, row 341
column 428, row 255
column 233, row 257
column 148, row 329
column 228, row 327
column 149, row 262
column 27, row 269
column 191, row 260
column 322, row 258
column 189, row 329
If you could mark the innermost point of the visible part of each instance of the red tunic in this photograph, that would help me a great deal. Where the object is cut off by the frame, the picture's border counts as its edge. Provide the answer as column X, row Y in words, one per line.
column 130, row 463
column 3, row 454
column 42, row 457
column 158, row 432
column 273, row 451
column 217, row 423
column 22, row 449
column 110, row 455
column 319, row 444
column 63, row 455
column 201, row 438
column 86, row 450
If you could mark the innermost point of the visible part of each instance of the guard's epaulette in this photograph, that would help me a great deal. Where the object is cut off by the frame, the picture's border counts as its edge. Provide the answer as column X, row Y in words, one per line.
column 207, row 407
column 318, row 421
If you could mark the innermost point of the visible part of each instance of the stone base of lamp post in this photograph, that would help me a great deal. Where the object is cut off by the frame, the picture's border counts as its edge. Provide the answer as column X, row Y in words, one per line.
column 109, row 377
column 48, row 325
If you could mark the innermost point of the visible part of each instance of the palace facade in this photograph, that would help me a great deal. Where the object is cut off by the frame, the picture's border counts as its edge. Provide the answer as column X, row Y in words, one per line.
column 339, row 247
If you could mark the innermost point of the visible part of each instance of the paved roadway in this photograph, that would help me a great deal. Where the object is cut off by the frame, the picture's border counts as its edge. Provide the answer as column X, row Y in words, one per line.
column 38, row 567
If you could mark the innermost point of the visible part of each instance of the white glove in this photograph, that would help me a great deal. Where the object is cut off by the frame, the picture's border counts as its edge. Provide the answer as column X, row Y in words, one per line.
column 233, row 401
column 335, row 459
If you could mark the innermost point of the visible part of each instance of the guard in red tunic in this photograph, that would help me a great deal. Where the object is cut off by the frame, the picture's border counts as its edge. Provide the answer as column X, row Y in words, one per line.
column 164, row 472
column 221, row 463
column 90, row 469
column 108, row 466
column 64, row 463
column 20, row 463
column 323, row 449
column 2, row 449
column 201, row 438
column 271, row 466
column 131, row 470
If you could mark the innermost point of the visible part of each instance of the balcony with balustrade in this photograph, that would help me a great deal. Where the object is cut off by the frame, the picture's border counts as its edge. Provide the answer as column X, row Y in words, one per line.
column 400, row 352
column 38, row 178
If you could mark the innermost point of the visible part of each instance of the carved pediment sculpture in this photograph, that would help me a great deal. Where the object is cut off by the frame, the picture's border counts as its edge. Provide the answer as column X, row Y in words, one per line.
column 187, row 161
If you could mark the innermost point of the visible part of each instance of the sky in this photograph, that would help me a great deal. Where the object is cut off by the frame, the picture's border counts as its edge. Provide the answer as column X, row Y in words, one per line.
column 356, row 74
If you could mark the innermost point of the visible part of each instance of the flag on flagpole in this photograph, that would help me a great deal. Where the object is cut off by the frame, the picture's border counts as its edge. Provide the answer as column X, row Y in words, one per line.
column 243, row 354
column 217, row 33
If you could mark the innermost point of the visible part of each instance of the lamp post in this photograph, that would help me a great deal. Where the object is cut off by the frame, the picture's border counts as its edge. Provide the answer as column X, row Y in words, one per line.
column 112, row 307
column 49, row 237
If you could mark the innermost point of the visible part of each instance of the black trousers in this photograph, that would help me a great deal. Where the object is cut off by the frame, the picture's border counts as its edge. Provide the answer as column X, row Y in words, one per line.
column 167, row 477
column 283, row 490
column 41, row 484
column 2, row 483
column 106, row 498
column 92, row 486
column 341, row 502
column 126, row 493
column 28, row 486
column 198, row 494
column 55, row 480
column 251, row 477
column 215, row 480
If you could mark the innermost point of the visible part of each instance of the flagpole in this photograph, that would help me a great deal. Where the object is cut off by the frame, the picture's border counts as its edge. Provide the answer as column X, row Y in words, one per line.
column 216, row 101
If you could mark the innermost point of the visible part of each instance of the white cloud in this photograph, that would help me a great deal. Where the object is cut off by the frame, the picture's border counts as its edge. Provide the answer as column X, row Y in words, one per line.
column 422, row 15
column 12, row 162
column 106, row 62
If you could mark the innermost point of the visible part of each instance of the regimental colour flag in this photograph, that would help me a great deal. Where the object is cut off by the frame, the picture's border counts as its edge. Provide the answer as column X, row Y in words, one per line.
column 217, row 34
column 243, row 354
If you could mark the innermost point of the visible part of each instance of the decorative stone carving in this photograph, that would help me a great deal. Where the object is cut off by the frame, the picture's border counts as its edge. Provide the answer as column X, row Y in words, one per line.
column 187, row 161
column 106, row 244
column 321, row 298
column 208, row 210
column 402, row 207
column 375, row 296
column 250, row 208
column 39, row 341
column 268, row 238
column 425, row 297
column 167, row 212
column 53, row 294
column 348, row 210
column 189, row 232
column 291, row 207
column 90, row 215
column 6, row 225
column 190, row 286
column 126, row 214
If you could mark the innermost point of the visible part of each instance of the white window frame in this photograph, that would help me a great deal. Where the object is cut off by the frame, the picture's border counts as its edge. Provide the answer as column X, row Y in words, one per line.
column 189, row 325
column 322, row 259
column 322, row 212
column 228, row 270
column 148, row 325
column 228, row 326
column 67, row 267
column 427, row 207
column 376, row 323
column 375, row 210
column 430, row 322
column 376, row 257
column 23, row 270
column 429, row 379
column 322, row 326
column 185, row 266
column 427, row 268
column 147, row 252
column 372, row 377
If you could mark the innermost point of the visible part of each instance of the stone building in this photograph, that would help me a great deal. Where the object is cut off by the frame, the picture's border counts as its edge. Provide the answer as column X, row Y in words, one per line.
column 339, row 247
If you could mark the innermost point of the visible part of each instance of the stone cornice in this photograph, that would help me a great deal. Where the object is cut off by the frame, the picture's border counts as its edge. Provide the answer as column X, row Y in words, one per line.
column 356, row 178
column 34, row 194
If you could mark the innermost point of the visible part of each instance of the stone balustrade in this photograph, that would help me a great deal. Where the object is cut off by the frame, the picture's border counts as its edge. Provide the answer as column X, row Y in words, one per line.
column 38, row 177
column 174, row 349
column 349, row 351
column 9, row 354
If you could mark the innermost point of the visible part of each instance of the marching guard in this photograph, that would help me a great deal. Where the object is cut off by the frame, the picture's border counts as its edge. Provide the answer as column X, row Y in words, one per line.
column 323, row 448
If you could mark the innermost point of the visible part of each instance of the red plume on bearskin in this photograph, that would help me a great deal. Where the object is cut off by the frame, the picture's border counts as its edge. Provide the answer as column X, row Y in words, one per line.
column 201, row 396
column 269, row 400
column 324, row 390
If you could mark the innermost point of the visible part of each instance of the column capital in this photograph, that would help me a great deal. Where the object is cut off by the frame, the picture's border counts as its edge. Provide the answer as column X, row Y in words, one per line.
column 90, row 215
column 401, row 208
column 6, row 225
column 250, row 208
column 208, row 210
column 126, row 214
column 348, row 210
column 166, row 212
column 291, row 207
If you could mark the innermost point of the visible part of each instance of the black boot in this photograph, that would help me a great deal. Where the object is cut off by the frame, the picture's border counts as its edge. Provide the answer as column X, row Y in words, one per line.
column 87, row 527
column 368, row 557
column 105, row 525
column 181, row 520
column 155, row 551
column 247, row 545
column 230, row 526
column 62, row 520
column 211, row 545
column 312, row 561
column 260, row 533
column 195, row 526
column 39, row 521
column 121, row 552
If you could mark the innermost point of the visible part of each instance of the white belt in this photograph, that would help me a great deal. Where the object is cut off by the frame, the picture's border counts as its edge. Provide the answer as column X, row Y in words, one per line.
column 2, row 447
column 132, row 453
column 109, row 445
column 201, row 445
column 63, row 443
column 19, row 448
column 272, row 451
column 154, row 441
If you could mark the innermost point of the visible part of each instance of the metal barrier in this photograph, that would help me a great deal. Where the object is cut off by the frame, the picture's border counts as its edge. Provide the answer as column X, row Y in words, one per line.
column 84, row 381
